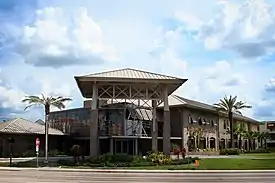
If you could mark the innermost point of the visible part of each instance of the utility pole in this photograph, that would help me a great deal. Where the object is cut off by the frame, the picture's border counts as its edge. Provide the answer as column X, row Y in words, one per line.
column 46, row 138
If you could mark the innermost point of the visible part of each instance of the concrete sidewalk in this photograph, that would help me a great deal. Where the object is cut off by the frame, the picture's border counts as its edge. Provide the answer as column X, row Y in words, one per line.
column 50, row 159
column 131, row 171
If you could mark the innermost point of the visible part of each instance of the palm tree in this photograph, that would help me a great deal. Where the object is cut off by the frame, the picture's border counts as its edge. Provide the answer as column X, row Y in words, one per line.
column 47, row 103
column 240, row 132
column 263, row 137
column 230, row 105
column 256, row 136
column 235, row 132
column 250, row 135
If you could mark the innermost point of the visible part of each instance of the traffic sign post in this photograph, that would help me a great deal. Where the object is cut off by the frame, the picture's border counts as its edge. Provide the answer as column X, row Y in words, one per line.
column 37, row 143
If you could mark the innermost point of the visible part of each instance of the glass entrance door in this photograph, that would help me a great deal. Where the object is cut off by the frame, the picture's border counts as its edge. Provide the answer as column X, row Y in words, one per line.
column 124, row 146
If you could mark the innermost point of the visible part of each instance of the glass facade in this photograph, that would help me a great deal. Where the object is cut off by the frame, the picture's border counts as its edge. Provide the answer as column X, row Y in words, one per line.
column 121, row 121
column 70, row 121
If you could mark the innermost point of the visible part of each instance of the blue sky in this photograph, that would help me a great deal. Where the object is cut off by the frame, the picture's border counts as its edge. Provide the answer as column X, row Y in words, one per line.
column 222, row 47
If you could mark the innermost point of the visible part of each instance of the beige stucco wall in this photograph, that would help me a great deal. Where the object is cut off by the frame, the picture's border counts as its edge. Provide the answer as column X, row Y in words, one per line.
column 209, row 131
column 223, row 132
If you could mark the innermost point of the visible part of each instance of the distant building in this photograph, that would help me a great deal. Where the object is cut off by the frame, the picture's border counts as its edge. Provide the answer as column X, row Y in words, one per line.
column 269, row 126
column 24, row 133
column 40, row 121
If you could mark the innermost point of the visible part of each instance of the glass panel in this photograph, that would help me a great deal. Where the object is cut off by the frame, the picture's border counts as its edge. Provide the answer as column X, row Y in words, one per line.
column 118, row 146
column 131, row 147
column 125, row 146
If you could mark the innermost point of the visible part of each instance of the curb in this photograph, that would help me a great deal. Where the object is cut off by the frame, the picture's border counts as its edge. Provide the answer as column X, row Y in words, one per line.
column 132, row 171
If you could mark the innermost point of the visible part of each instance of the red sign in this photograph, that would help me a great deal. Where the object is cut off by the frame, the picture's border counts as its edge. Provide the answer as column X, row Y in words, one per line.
column 37, row 142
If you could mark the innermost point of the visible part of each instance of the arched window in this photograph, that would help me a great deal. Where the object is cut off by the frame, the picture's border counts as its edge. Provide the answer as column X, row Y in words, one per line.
column 200, row 121
column 190, row 120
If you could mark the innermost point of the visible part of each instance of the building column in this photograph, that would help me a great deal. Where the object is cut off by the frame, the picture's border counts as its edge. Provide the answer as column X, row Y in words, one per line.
column 111, row 145
column 136, row 147
column 94, row 141
column 166, row 125
column 217, row 143
column 217, row 139
column 185, row 138
column 154, row 127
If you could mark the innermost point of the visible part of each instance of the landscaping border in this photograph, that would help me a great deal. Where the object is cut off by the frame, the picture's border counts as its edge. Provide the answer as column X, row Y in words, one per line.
column 133, row 171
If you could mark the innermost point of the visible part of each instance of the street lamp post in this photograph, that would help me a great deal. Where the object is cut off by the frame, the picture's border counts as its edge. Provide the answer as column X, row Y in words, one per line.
column 11, row 142
column 46, row 138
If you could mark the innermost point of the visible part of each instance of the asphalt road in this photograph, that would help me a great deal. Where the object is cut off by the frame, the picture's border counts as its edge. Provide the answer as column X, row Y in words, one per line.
column 35, row 176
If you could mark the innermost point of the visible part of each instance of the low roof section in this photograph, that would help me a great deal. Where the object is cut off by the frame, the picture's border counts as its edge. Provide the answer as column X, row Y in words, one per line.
column 175, row 100
column 23, row 126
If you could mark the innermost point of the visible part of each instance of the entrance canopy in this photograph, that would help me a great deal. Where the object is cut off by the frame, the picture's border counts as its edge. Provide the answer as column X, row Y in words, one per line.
column 128, row 84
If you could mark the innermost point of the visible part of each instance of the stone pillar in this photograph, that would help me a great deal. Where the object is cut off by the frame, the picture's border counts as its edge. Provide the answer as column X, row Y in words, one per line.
column 166, row 125
column 185, row 139
column 94, row 141
column 136, row 147
column 217, row 144
column 154, row 127
column 111, row 145
column 217, row 138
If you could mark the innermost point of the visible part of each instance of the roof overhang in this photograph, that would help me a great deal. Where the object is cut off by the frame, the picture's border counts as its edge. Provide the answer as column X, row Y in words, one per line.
column 85, row 84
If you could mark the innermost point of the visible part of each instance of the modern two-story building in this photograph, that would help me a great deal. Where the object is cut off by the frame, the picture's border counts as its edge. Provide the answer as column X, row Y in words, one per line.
column 130, row 111
column 128, row 126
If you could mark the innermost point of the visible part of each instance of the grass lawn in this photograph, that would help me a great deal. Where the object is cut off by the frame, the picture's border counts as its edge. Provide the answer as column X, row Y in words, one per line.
column 259, row 154
column 237, row 164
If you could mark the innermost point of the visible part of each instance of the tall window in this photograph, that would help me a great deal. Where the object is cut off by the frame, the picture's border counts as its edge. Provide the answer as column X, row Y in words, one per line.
column 190, row 120
column 200, row 121
column 224, row 124
column 212, row 123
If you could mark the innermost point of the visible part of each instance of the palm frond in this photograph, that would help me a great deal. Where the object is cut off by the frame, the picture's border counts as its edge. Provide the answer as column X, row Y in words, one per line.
column 45, row 101
column 31, row 105
column 32, row 99
column 230, row 104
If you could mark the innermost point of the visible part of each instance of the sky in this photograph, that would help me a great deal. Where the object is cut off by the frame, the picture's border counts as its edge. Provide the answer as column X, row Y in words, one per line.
column 222, row 47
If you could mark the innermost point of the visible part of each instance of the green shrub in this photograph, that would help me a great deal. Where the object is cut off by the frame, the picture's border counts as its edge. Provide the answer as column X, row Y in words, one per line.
column 55, row 152
column 122, row 158
column 159, row 158
column 184, row 161
column 29, row 153
column 65, row 162
column 230, row 151
column 259, row 151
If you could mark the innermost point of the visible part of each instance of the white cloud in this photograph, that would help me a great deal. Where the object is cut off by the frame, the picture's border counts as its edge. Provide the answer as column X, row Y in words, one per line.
column 270, row 86
column 76, row 36
column 246, row 28
column 11, row 98
column 58, row 38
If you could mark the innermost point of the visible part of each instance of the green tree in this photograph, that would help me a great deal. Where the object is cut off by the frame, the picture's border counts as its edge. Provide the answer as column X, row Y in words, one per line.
column 251, row 136
column 47, row 103
column 240, row 131
column 230, row 105
column 263, row 136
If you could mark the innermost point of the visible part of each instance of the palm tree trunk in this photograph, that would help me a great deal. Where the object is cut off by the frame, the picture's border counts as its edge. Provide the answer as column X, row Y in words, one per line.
column 240, row 141
column 47, row 112
column 249, row 142
column 230, row 115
